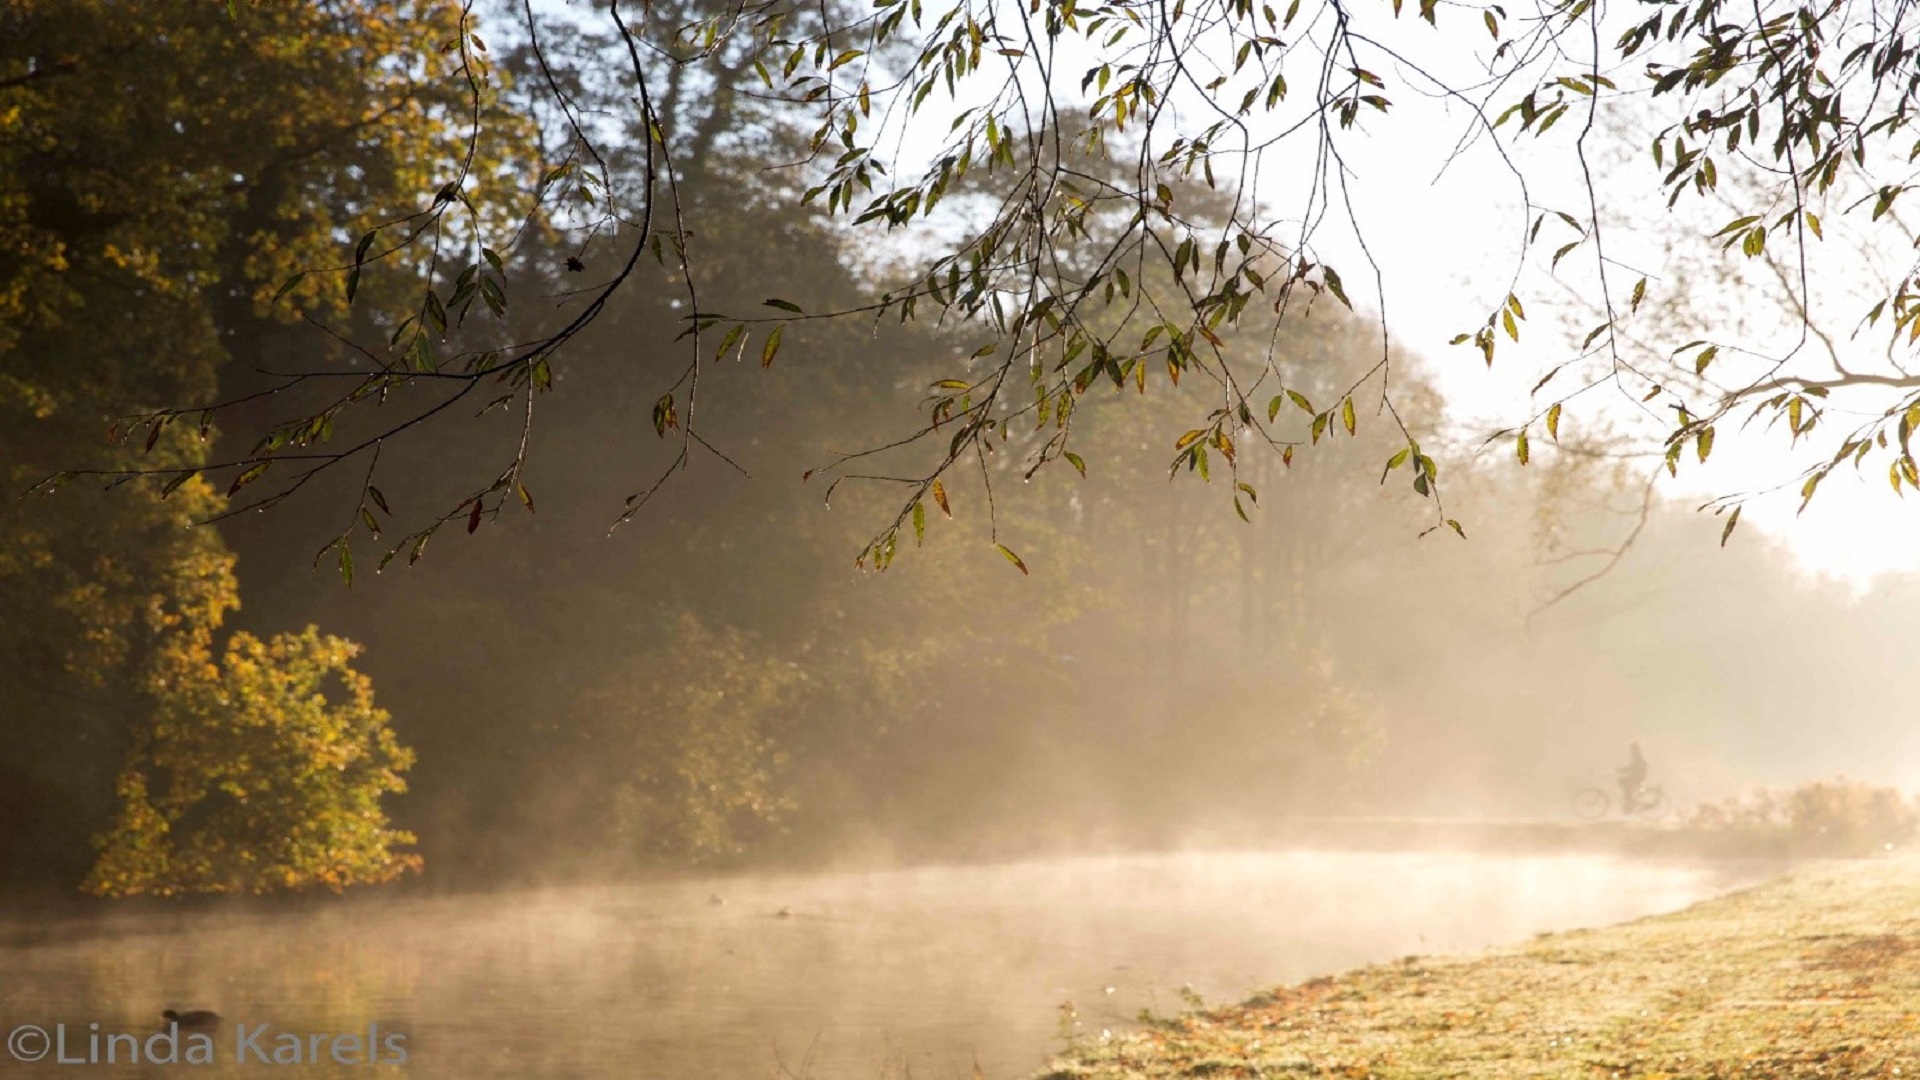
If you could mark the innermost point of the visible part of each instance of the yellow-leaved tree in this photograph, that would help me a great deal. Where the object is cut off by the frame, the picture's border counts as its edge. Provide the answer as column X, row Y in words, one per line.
column 261, row 771
column 164, row 168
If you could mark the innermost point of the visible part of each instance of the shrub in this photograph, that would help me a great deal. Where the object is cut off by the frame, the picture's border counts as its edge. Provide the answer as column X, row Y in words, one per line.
column 263, row 771
column 1829, row 817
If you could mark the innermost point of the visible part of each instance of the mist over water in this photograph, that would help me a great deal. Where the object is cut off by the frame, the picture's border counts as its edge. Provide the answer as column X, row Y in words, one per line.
column 867, row 974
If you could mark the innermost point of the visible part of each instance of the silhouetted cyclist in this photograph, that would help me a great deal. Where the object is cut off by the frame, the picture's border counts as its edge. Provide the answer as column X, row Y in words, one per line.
column 1632, row 776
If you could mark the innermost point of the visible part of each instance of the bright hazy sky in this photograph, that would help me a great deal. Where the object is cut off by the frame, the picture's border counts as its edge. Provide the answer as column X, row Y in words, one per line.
column 1438, row 244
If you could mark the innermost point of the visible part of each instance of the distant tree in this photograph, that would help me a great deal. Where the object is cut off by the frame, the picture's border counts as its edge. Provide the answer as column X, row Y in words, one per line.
column 261, row 772
column 673, row 754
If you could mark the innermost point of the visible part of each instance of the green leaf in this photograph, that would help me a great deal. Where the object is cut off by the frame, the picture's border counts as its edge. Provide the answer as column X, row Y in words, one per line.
column 436, row 314
column 771, row 347
column 1732, row 520
column 919, row 523
column 491, row 292
column 1395, row 462
column 1333, row 283
column 1012, row 558
column 173, row 484
column 1553, row 422
column 1520, row 447
column 1346, row 415
column 783, row 305
column 1073, row 459
column 288, row 286
column 248, row 476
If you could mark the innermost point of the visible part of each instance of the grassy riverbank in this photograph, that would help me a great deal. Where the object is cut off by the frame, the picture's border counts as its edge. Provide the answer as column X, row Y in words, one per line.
column 1813, row 975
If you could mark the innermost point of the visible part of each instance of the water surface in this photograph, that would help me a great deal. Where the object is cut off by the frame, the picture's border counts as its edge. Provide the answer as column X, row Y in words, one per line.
column 866, row 976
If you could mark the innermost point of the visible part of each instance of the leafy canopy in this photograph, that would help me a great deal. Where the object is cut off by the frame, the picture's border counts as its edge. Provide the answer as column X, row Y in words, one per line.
column 1138, row 176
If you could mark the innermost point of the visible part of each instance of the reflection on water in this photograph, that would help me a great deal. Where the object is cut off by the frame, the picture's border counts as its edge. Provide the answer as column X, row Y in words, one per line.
column 865, row 976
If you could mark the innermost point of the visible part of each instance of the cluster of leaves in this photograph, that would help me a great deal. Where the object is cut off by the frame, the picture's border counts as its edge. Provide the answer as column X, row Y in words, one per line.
column 1782, row 113
column 356, row 118
column 251, row 778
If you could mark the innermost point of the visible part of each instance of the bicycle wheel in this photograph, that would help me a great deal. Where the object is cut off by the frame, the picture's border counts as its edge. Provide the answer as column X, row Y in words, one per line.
column 1591, row 804
column 1653, row 803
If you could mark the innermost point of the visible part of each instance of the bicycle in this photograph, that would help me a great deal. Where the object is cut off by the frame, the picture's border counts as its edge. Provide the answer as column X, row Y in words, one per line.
column 1594, row 803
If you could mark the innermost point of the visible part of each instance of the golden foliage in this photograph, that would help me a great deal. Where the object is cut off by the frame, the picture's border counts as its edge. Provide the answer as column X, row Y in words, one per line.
column 164, row 168
column 254, row 777
column 184, row 151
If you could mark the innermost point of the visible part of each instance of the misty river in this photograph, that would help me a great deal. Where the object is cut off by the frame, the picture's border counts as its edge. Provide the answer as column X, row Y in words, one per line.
column 868, row 975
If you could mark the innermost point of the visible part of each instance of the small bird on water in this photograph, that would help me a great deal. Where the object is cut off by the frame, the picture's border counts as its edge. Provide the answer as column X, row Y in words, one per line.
column 193, row 1017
